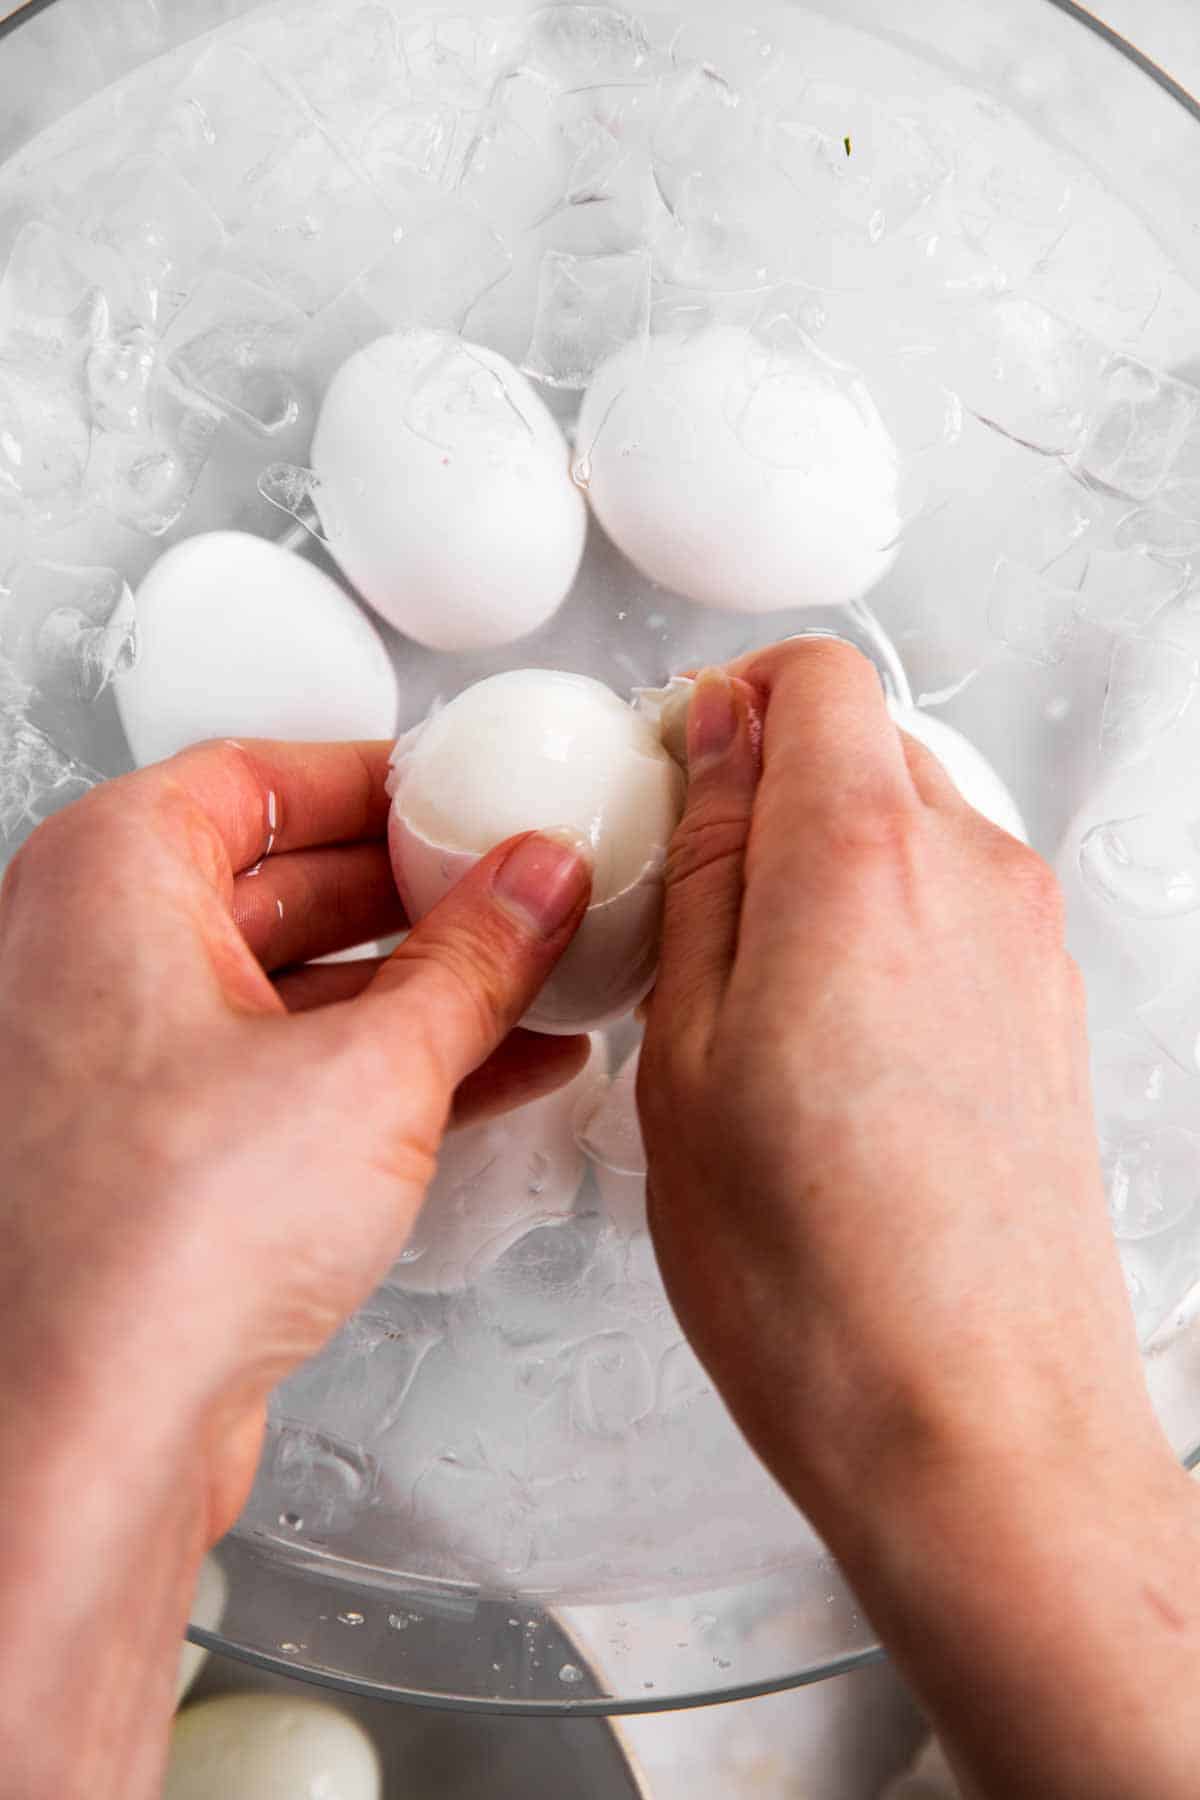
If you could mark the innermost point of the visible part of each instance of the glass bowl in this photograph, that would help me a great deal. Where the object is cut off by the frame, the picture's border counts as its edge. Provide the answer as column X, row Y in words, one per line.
column 1078, row 156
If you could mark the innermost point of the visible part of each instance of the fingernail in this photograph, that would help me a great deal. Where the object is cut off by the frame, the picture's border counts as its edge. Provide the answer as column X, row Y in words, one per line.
column 542, row 882
column 712, row 718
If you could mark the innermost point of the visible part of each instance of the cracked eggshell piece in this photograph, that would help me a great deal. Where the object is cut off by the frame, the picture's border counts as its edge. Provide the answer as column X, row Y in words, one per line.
column 747, row 476
column 270, row 1747
column 238, row 638
column 444, row 488
column 497, row 1180
column 967, row 767
column 539, row 749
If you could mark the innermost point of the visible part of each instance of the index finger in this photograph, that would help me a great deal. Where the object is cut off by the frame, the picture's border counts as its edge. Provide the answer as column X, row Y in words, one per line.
column 254, row 798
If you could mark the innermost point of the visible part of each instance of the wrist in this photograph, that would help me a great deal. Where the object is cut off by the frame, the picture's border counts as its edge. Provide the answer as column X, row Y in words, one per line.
column 104, row 1509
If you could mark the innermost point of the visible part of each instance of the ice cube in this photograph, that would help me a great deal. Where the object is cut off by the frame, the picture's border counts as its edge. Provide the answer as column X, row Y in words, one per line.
column 1030, row 614
column 1146, row 867
column 1027, row 373
column 59, row 295
column 1152, row 1178
column 456, row 59
column 165, row 233
column 1169, row 527
column 45, row 437
column 590, row 46
column 310, row 1481
column 358, row 1384
column 702, row 125
column 589, row 307
column 235, row 346
column 508, row 177
column 1125, row 589
column 146, row 478
column 1139, row 423
column 613, row 1385
column 350, row 67
column 438, row 271
column 1152, row 684
column 311, row 227
column 419, row 138
column 610, row 200
column 36, row 777
column 82, row 625
column 743, row 55
column 1128, row 1079
column 230, row 125
column 119, row 374
column 609, row 1133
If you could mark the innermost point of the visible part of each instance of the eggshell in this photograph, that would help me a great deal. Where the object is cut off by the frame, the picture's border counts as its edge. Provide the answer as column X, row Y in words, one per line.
column 207, row 1607
column 967, row 767
column 444, row 486
column 747, row 476
column 270, row 1747
column 494, row 1182
column 238, row 638
column 536, row 748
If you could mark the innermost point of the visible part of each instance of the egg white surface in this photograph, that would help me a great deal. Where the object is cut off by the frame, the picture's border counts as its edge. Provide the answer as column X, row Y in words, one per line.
column 539, row 749
column 270, row 1747
column 239, row 638
column 444, row 486
column 747, row 477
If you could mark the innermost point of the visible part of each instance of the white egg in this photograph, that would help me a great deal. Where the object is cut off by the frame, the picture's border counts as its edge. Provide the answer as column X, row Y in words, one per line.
column 747, row 476
column 270, row 1747
column 967, row 767
column 444, row 487
column 610, row 1134
column 238, row 638
column 494, row 1182
column 207, row 1606
column 537, row 749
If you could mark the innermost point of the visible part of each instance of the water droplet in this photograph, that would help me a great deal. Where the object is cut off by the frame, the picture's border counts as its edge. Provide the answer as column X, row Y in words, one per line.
column 350, row 1618
column 290, row 1649
column 291, row 1521
column 570, row 1673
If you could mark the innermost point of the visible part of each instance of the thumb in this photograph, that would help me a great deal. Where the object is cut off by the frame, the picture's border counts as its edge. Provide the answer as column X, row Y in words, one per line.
column 705, row 868
column 465, row 975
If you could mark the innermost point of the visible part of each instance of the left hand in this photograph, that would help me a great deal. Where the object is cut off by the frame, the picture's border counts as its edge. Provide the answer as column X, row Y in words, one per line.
column 209, row 1153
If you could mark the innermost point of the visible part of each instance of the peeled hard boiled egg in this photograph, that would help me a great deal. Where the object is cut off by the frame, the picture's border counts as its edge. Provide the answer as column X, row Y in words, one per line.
column 494, row 1182
column 537, row 749
column 270, row 1747
column 238, row 638
column 747, row 476
column 444, row 486
column 967, row 767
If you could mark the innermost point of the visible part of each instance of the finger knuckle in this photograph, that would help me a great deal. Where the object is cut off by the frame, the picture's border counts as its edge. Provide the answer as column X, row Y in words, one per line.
column 1033, row 890
column 705, row 841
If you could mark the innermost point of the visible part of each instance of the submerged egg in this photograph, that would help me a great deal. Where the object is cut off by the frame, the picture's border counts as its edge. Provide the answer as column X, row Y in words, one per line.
column 747, row 476
column 967, row 767
column 444, row 487
column 537, row 749
column 270, row 1747
column 238, row 638
column 495, row 1181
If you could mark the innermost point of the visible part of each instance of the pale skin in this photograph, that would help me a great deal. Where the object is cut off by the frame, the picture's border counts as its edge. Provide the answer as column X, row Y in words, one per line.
column 875, row 1199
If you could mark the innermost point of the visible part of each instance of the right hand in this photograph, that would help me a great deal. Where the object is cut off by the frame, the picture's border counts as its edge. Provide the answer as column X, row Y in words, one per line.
column 874, row 1184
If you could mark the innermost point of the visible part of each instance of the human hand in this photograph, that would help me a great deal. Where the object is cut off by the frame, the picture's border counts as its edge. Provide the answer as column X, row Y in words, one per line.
column 875, row 1196
column 208, row 1156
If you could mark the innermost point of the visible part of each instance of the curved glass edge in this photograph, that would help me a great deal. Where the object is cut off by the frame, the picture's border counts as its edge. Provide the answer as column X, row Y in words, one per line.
column 602, row 1706
column 1131, row 53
